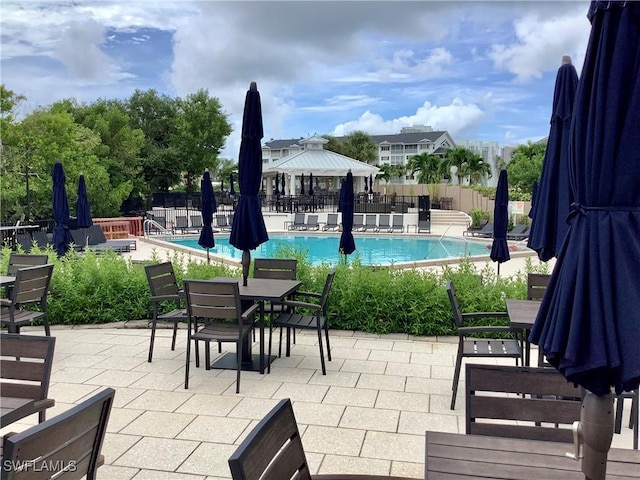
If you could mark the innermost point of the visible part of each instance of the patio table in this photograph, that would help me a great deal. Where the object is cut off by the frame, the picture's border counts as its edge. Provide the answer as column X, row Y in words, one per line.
column 14, row 408
column 257, row 290
column 454, row 455
column 522, row 316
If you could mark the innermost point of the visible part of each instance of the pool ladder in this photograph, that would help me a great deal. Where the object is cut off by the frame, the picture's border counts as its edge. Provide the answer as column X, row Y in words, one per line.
column 445, row 248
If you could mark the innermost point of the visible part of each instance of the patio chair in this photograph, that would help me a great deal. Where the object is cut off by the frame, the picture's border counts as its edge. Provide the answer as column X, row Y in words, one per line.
column 23, row 260
column 384, row 223
column 181, row 224
column 312, row 223
column 41, row 239
column 196, row 222
column 518, row 232
column 24, row 241
column 222, row 223
column 520, row 402
column 332, row 222
column 358, row 222
column 273, row 451
column 26, row 370
column 98, row 241
column 424, row 226
column 634, row 414
column 317, row 321
column 536, row 288
column 66, row 446
column 370, row 223
column 164, row 288
column 471, row 347
column 29, row 289
column 298, row 222
column 215, row 315
column 79, row 238
column 398, row 224
column 485, row 232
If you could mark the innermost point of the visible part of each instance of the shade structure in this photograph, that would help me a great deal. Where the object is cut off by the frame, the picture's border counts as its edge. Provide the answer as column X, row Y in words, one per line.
column 232, row 189
column 549, row 225
column 277, row 190
column 499, row 247
column 588, row 325
column 282, row 185
column 248, row 229
column 302, row 184
column 61, row 234
column 347, row 243
column 534, row 194
column 83, row 207
column 208, row 200
column 310, row 184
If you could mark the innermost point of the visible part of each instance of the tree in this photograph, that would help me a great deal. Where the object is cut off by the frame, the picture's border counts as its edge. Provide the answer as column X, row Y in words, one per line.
column 525, row 166
column 427, row 165
column 334, row 145
column 359, row 145
column 201, row 131
column 461, row 158
column 225, row 167
column 478, row 169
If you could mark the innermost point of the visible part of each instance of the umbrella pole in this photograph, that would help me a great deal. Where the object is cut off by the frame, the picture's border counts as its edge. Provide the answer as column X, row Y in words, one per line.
column 246, row 262
column 208, row 259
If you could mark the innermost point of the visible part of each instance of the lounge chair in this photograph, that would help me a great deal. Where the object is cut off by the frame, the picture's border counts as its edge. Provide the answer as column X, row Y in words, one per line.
column 358, row 222
column 332, row 222
column 398, row 224
column 519, row 232
column 298, row 222
column 312, row 223
column 222, row 223
column 424, row 226
column 384, row 223
column 370, row 224
column 485, row 232
column 98, row 241
column 196, row 222
column 41, row 239
column 79, row 237
column 25, row 241
column 181, row 224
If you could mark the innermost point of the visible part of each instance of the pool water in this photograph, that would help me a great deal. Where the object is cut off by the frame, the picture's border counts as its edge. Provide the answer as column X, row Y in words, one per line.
column 382, row 250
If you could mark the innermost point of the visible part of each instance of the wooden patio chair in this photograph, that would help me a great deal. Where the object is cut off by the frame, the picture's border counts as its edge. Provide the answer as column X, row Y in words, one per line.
column 215, row 315
column 21, row 260
column 26, row 370
column 317, row 321
column 472, row 347
column 520, row 402
column 536, row 288
column 273, row 451
column 30, row 289
column 332, row 222
column 66, row 446
column 164, row 288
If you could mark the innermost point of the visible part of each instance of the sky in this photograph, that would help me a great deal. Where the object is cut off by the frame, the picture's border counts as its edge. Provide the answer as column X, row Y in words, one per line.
column 480, row 70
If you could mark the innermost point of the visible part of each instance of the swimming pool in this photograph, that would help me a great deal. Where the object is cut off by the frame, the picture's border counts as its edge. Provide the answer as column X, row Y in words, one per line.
column 382, row 250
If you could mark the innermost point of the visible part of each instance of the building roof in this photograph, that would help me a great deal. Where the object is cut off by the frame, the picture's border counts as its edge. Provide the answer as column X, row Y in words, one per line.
column 320, row 162
column 414, row 137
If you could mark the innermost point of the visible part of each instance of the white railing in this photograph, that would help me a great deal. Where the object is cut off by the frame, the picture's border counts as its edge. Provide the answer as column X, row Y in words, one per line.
column 149, row 224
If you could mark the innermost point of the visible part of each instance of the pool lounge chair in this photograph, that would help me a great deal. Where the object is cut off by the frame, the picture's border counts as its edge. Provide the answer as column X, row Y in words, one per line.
column 424, row 226
column 98, row 241
column 358, row 222
column 196, row 222
column 298, row 222
column 222, row 223
column 485, row 232
column 398, row 224
column 370, row 224
column 332, row 222
column 519, row 232
column 312, row 223
column 384, row 223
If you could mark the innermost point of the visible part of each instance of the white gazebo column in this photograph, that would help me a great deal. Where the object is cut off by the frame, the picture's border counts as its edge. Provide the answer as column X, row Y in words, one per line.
column 269, row 182
column 292, row 185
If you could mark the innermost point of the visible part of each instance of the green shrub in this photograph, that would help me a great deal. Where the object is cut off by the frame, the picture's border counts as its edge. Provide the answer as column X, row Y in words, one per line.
column 478, row 217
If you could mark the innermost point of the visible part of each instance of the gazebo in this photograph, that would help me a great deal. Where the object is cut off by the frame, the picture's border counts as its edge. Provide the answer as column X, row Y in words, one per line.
column 322, row 163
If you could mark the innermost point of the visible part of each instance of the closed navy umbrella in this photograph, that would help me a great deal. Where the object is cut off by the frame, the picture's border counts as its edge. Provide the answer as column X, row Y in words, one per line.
column 347, row 243
column 61, row 234
column 302, row 184
column 588, row 325
column 83, row 208
column 366, row 185
column 277, row 192
column 311, row 184
column 208, row 200
column 499, row 248
column 248, row 230
column 549, row 225
column 282, row 185
column 232, row 190
column 370, row 183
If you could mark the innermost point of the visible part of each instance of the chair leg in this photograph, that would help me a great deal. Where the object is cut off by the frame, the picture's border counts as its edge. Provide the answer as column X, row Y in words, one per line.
column 207, row 355
column 238, row 364
column 47, row 329
column 280, row 344
column 456, row 376
column 153, row 338
column 175, row 333
column 197, row 351
column 326, row 334
column 186, row 369
column 269, row 349
column 42, row 416
column 618, row 419
column 324, row 370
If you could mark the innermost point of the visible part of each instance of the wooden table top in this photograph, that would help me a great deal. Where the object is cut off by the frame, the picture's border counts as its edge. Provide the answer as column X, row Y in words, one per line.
column 454, row 455
column 265, row 289
column 14, row 408
column 6, row 280
column 522, row 313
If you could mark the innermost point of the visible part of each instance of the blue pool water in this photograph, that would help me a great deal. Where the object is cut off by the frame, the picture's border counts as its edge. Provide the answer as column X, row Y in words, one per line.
column 382, row 250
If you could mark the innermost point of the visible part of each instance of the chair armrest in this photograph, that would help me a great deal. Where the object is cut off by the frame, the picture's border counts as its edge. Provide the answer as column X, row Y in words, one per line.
column 162, row 298
column 43, row 404
column 298, row 303
column 249, row 312
column 485, row 315
column 485, row 329
column 307, row 294
column 6, row 302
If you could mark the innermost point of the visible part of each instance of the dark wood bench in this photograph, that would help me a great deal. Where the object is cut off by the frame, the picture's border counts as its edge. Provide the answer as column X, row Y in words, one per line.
column 520, row 402
column 25, row 370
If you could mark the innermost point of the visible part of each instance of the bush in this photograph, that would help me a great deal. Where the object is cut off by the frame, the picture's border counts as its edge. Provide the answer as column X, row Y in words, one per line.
column 479, row 217
column 92, row 289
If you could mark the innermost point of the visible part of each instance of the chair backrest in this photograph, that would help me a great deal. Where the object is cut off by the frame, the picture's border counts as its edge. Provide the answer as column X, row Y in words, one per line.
column 312, row 220
column 539, row 401
column 25, row 365
column 455, row 306
column 358, row 219
column 19, row 260
column 273, row 450
column 213, row 299
column 96, row 235
column 326, row 290
column 537, row 285
column 160, row 220
column 24, row 240
column 275, row 268
column 182, row 221
column 371, row 221
column 41, row 239
column 196, row 221
column 79, row 237
column 65, row 446
column 332, row 219
column 298, row 219
column 32, row 285
column 398, row 221
column 162, row 281
column 383, row 221
column 221, row 220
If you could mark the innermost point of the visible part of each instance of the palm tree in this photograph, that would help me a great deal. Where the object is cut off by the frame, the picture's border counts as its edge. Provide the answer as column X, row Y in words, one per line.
column 460, row 158
column 427, row 165
column 478, row 169
column 359, row 145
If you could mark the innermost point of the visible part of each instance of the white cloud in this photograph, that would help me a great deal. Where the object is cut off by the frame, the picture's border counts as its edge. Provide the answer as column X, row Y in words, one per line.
column 455, row 118
column 541, row 43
